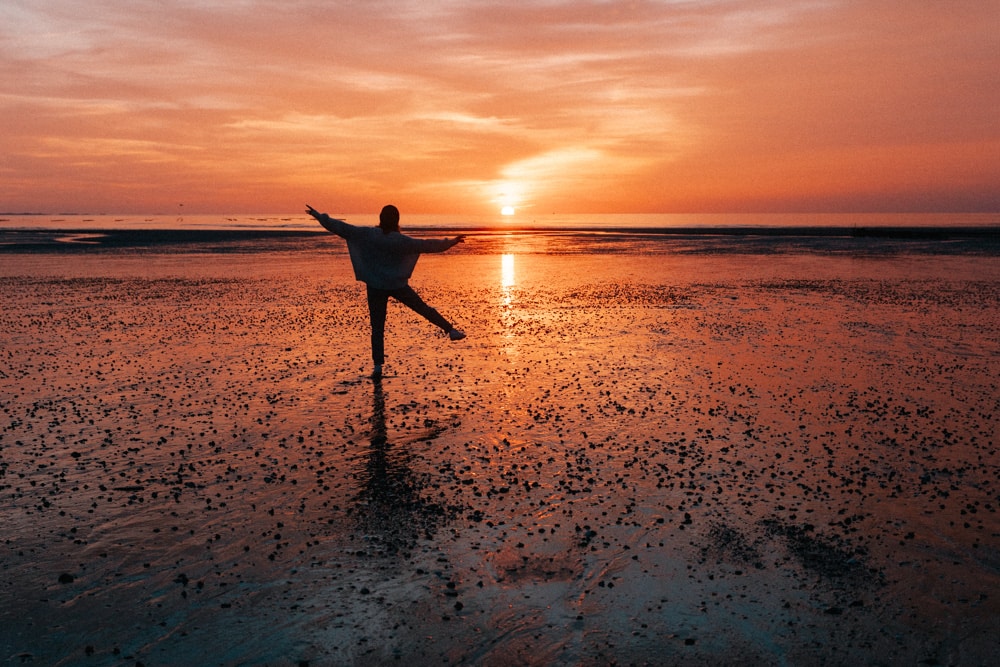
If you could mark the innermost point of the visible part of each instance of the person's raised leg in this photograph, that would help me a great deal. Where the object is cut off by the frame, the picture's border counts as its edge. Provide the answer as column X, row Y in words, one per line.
column 377, row 305
column 409, row 298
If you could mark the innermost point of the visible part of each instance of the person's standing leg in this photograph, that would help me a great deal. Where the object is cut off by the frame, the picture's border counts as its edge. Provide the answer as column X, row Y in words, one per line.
column 377, row 306
column 412, row 300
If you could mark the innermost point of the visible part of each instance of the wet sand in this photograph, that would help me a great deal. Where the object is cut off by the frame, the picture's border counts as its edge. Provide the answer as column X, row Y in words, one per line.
column 631, row 460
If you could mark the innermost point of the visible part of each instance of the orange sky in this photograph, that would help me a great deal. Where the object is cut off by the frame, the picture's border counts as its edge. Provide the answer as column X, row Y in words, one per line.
column 239, row 106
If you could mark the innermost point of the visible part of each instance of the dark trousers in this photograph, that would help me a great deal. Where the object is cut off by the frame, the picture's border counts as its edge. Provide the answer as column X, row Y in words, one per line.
column 378, row 302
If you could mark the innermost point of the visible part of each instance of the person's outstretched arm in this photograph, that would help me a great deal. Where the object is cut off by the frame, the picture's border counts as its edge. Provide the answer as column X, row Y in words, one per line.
column 431, row 245
column 338, row 227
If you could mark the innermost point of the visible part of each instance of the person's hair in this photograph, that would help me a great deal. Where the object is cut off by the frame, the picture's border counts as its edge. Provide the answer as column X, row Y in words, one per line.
column 388, row 219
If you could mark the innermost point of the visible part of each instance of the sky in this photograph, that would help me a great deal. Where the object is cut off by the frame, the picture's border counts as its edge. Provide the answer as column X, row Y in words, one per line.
column 462, row 107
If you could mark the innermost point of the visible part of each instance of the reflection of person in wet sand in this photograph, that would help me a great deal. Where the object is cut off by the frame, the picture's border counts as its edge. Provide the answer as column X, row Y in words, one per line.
column 390, row 508
column 384, row 259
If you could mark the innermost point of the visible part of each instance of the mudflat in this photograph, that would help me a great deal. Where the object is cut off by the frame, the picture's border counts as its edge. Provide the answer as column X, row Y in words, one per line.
column 632, row 459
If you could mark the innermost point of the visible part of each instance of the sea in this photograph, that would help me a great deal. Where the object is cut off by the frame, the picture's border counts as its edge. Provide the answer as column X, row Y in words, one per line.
column 636, row 234
column 597, row 222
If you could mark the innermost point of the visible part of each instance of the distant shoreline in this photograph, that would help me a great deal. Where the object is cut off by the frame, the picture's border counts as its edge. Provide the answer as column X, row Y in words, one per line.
column 983, row 239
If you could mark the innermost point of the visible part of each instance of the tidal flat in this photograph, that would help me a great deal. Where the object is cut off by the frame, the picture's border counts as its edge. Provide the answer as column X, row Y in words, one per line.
column 632, row 459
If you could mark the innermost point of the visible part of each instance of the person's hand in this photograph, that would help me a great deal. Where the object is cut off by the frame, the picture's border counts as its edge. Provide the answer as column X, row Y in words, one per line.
column 313, row 212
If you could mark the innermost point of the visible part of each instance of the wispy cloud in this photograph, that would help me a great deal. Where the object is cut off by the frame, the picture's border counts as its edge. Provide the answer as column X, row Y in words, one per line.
column 667, row 105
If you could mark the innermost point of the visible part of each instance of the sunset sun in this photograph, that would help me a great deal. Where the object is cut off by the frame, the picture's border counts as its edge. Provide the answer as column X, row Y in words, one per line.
column 507, row 210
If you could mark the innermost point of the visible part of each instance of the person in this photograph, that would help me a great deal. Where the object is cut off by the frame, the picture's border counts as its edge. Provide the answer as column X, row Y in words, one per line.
column 383, row 258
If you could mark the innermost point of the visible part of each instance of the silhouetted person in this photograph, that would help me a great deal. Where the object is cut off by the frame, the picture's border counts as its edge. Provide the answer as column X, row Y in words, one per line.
column 384, row 259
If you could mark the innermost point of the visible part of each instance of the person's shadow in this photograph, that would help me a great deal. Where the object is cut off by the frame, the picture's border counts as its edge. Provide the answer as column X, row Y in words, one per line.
column 389, row 508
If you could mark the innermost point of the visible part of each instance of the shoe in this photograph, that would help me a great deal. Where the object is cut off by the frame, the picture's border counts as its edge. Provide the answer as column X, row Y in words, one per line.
column 377, row 372
column 455, row 334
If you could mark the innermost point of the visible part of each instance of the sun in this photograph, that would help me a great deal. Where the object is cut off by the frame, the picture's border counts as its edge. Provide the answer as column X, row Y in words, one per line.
column 509, row 197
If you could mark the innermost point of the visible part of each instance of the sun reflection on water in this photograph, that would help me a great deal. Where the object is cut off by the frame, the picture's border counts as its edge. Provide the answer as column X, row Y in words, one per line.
column 507, row 271
column 507, row 282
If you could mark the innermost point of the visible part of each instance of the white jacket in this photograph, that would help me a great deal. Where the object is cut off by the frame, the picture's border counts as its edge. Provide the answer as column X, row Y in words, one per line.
column 380, row 260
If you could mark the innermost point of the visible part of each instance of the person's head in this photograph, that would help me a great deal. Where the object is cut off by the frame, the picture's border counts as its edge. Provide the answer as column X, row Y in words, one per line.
column 388, row 219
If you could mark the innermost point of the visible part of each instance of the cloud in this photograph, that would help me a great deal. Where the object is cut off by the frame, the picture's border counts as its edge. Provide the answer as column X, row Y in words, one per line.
column 437, row 97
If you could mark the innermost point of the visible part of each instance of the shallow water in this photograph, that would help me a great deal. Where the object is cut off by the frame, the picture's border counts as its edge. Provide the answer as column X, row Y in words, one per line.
column 701, row 460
